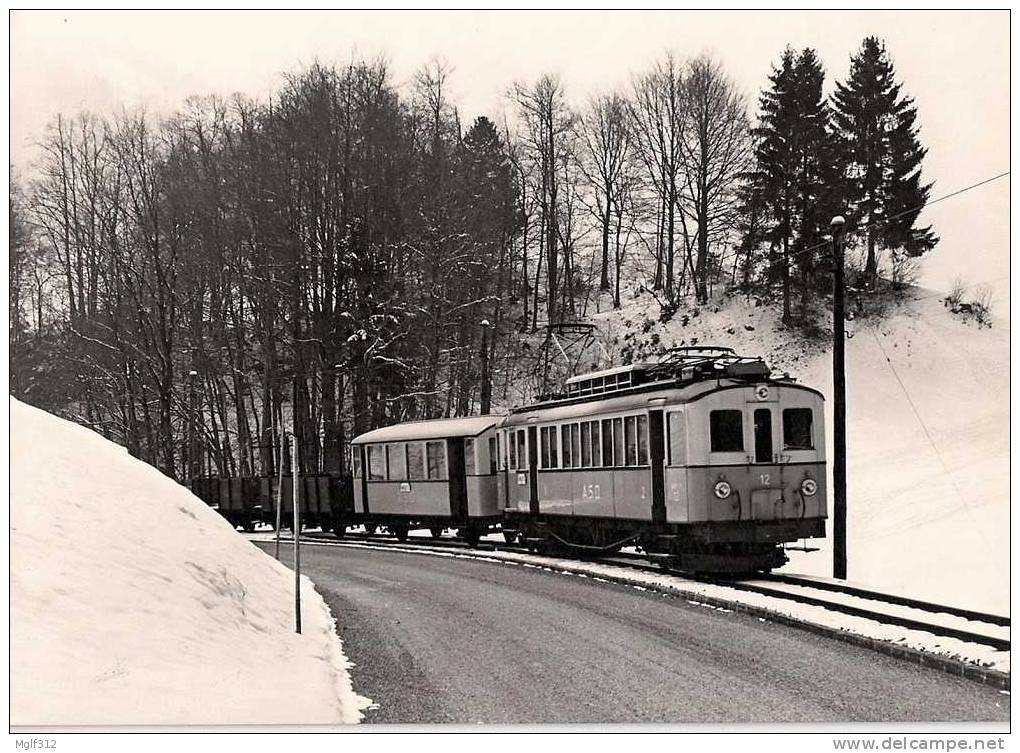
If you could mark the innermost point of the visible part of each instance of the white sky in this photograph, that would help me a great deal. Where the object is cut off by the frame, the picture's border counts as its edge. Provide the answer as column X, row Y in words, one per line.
column 954, row 63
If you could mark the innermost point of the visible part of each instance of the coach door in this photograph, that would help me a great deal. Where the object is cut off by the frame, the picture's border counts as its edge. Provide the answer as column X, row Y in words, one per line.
column 657, row 448
column 458, row 482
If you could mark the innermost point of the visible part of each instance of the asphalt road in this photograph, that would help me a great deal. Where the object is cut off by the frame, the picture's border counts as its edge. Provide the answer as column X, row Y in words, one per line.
column 437, row 639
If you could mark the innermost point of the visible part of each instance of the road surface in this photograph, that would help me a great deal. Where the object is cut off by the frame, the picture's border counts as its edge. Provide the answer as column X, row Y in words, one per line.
column 436, row 639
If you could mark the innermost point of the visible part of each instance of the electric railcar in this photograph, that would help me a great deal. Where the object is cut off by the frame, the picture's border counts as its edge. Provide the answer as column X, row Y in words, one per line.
column 703, row 461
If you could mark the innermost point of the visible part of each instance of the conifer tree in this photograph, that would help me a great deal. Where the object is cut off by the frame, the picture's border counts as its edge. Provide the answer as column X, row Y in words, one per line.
column 880, row 157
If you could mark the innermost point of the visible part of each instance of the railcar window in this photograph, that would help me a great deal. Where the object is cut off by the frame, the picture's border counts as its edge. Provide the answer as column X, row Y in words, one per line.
column 630, row 428
column 415, row 462
column 549, row 452
column 596, row 445
column 356, row 461
column 568, row 458
column 619, row 457
column 522, row 451
column 607, row 442
column 676, row 438
column 493, row 454
column 727, row 429
column 512, row 449
column 642, row 440
column 396, row 462
column 586, row 444
column 469, row 456
column 575, row 444
column 798, row 431
column 376, row 463
column 435, row 454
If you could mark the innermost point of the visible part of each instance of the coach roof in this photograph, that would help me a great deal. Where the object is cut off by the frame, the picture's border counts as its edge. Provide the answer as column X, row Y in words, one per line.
column 439, row 428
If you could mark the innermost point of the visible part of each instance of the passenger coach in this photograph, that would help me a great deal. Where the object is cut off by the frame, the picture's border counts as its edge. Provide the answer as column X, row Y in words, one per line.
column 427, row 474
column 702, row 460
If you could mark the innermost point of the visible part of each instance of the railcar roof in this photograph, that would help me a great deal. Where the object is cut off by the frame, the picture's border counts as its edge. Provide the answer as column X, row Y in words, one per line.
column 633, row 398
column 439, row 428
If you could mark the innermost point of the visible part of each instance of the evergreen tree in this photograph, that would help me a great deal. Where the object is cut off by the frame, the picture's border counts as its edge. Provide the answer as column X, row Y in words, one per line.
column 794, row 175
column 880, row 156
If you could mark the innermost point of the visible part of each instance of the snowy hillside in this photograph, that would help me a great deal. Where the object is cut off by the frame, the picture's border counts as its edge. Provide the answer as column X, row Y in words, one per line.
column 928, row 491
column 132, row 602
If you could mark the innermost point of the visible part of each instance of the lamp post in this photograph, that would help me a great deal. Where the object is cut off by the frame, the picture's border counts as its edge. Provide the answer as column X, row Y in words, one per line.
column 486, row 396
column 192, row 410
column 839, row 404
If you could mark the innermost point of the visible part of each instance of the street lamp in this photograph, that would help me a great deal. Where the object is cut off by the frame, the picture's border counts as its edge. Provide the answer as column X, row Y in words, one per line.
column 486, row 392
column 839, row 403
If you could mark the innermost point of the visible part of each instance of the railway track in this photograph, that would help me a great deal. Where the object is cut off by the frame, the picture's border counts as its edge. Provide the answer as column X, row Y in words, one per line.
column 912, row 614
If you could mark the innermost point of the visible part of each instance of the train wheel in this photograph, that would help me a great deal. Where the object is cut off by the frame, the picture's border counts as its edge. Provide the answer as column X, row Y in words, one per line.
column 471, row 536
column 436, row 532
column 340, row 529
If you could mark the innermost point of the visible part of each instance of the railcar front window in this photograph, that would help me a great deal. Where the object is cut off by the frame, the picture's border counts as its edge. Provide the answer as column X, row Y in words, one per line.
column 415, row 462
column 522, row 451
column 727, row 429
column 376, row 463
column 512, row 448
column 356, row 461
column 493, row 454
column 469, row 456
column 676, row 438
column 435, row 454
column 798, row 431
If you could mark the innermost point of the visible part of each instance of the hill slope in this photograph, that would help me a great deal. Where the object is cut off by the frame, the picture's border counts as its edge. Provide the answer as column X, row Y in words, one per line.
column 928, row 435
column 132, row 602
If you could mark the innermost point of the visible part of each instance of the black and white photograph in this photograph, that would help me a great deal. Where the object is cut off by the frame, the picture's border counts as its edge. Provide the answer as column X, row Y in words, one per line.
column 509, row 371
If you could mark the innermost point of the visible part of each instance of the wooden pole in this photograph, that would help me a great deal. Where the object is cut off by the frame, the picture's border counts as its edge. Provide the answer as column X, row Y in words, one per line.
column 839, row 406
column 297, row 533
column 279, row 494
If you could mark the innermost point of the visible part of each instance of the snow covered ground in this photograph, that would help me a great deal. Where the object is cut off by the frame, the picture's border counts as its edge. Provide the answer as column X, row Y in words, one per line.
column 132, row 602
column 928, row 475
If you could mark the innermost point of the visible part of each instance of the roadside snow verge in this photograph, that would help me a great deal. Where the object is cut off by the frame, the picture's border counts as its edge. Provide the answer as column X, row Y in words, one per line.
column 134, row 603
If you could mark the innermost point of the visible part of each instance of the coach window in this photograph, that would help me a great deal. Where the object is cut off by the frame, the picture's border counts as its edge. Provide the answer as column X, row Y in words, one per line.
column 676, row 438
column 469, row 456
column 415, row 462
column 727, row 429
column 522, row 450
column 493, row 454
column 568, row 457
column 435, row 455
column 797, row 429
column 596, row 445
column 586, row 444
column 356, row 461
column 511, row 445
column 376, row 463
column 396, row 462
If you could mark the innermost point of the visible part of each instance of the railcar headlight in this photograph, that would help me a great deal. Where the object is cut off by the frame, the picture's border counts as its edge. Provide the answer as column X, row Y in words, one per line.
column 723, row 489
column 808, row 487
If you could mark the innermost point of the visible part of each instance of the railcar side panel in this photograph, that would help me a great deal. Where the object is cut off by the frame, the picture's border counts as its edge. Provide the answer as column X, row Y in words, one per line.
column 632, row 493
column 409, row 497
column 554, row 493
column 592, row 492
column 676, row 496
column 482, row 494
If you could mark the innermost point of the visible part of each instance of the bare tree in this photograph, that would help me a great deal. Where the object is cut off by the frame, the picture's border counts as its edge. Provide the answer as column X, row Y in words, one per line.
column 715, row 152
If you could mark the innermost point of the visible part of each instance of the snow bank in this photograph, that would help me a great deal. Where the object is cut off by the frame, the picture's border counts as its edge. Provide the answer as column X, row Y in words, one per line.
column 134, row 603
column 928, row 489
